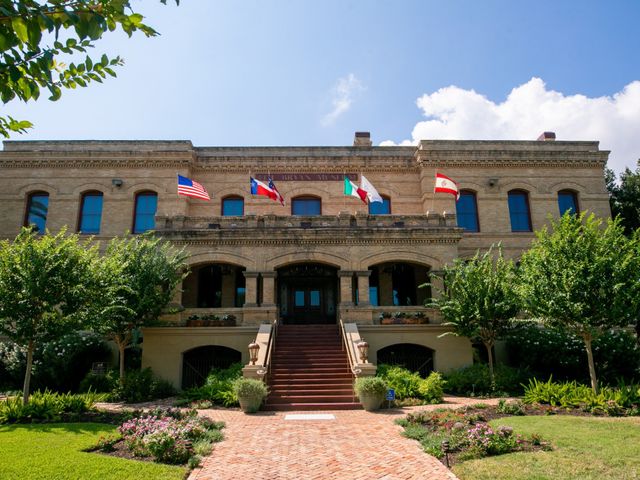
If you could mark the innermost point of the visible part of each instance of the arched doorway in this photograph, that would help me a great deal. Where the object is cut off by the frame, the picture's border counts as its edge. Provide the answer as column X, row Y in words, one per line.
column 214, row 285
column 398, row 284
column 198, row 362
column 416, row 358
column 307, row 293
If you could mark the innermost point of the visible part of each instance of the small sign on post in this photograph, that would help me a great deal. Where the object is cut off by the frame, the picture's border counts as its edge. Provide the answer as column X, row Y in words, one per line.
column 391, row 396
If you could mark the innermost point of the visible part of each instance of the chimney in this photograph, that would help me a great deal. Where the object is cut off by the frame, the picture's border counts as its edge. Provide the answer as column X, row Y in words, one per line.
column 362, row 139
column 547, row 137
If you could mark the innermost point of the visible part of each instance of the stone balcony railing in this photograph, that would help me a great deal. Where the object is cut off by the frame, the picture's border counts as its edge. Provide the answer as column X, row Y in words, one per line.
column 430, row 220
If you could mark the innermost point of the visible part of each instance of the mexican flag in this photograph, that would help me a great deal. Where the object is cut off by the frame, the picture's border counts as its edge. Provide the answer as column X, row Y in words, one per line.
column 352, row 190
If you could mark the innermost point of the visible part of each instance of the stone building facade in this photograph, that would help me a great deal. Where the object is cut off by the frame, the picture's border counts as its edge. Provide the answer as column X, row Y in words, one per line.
column 321, row 258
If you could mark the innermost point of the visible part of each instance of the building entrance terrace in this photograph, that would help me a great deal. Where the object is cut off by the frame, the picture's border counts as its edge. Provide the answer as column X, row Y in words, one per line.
column 307, row 294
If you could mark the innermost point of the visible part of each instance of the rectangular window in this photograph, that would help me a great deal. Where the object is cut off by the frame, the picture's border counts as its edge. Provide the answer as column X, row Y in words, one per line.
column 314, row 298
column 299, row 298
column 377, row 208
column 91, row 213
column 37, row 210
column 232, row 207
column 305, row 206
column 467, row 212
column 519, row 212
column 145, row 214
column 567, row 202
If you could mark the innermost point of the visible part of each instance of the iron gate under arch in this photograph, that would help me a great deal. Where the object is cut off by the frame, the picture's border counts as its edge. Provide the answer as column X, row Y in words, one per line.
column 198, row 362
column 416, row 358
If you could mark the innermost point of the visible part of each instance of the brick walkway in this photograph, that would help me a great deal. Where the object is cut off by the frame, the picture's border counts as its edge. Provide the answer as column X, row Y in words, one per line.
column 355, row 446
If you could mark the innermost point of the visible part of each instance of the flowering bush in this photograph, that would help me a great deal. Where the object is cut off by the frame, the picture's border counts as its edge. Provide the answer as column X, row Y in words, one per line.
column 482, row 438
column 167, row 435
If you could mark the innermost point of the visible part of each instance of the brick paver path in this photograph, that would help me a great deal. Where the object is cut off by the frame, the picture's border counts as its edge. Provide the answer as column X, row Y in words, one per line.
column 357, row 445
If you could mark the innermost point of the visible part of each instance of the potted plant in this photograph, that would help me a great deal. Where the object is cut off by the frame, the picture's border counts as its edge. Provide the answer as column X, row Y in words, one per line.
column 371, row 392
column 194, row 321
column 229, row 320
column 250, row 393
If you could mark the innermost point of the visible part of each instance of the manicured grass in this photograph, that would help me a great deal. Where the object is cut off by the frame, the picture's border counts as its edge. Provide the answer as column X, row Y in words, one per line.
column 54, row 451
column 584, row 448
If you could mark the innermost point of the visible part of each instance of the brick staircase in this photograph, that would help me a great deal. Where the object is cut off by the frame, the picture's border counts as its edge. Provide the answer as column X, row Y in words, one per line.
column 310, row 371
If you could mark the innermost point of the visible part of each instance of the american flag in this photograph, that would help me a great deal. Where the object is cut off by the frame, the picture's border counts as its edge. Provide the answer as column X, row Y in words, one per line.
column 189, row 188
column 279, row 197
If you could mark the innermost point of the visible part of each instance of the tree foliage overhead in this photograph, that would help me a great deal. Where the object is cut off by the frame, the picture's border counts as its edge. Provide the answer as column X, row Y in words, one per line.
column 138, row 277
column 624, row 197
column 582, row 277
column 479, row 299
column 35, row 34
column 46, row 289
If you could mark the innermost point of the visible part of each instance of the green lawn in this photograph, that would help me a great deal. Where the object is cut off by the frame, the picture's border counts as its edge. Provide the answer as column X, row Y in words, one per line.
column 54, row 451
column 584, row 448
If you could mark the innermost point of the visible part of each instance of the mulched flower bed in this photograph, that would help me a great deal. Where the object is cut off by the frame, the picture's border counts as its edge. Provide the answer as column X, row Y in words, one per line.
column 457, row 435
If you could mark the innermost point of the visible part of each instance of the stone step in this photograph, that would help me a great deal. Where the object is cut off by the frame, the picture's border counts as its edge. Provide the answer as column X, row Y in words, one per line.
column 299, row 398
column 292, row 407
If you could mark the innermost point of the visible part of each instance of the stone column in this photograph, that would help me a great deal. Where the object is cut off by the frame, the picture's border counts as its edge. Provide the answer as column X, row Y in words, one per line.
column 346, row 288
column 363, row 288
column 269, row 289
column 251, row 289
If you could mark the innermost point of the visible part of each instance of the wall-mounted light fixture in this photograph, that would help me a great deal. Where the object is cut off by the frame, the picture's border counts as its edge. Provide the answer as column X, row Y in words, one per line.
column 493, row 182
column 116, row 182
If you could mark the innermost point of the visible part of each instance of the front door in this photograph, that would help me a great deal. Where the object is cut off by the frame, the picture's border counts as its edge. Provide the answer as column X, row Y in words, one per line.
column 307, row 294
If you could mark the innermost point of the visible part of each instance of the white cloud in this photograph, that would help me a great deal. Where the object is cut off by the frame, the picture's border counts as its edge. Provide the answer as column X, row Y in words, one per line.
column 342, row 95
column 530, row 109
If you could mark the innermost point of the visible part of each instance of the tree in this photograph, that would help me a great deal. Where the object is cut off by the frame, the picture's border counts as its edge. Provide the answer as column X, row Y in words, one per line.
column 624, row 197
column 138, row 276
column 46, row 289
column 30, row 61
column 479, row 299
column 579, row 277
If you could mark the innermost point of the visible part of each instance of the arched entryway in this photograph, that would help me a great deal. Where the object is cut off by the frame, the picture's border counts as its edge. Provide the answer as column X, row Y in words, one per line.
column 398, row 284
column 416, row 358
column 214, row 285
column 307, row 293
column 198, row 362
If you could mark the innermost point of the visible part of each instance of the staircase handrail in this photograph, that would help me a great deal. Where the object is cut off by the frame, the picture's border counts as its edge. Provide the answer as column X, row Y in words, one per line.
column 345, row 344
column 266, row 366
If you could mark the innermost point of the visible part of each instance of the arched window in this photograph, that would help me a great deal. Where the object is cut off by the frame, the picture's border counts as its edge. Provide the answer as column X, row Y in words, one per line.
column 37, row 209
column 467, row 211
column 90, row 212
column 232, row 206
column 519, row 211
column 377, row 208
column 306, row 205
column 568, row 201
column 144, row 215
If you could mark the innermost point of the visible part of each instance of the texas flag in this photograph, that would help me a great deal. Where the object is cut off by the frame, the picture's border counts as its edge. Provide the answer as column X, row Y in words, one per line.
column 259, row 188
column 445, row 185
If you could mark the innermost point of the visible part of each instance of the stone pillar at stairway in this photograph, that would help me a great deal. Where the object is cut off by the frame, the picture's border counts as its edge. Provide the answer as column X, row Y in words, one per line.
column 363, row 288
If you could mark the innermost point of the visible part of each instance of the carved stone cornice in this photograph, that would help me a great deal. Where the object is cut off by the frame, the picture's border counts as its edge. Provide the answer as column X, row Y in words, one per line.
column 120, row 160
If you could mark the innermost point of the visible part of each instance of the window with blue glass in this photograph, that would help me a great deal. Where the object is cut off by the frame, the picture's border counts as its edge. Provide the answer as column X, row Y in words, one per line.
column 37, row 210
column 519, row 211
column 232, row 207
column 145, row 212
column 90, row 213
column 377, row 208
column 568, row 202
column 467, row 211
column 306, row 206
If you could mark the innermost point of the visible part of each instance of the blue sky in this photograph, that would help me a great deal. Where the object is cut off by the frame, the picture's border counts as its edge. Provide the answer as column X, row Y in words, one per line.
column 311, row 73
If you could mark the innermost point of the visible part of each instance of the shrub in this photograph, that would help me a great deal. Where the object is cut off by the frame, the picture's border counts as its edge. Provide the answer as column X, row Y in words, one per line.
column 373, row 386
column 46, row 406
column 611, row 401
column 405, row 383
column 218, row 387
column 102, row 383
column 547, row 351
column 510, row 408
column 59, row 365
column 475, row 380
column 250, row 387
column 141, row 386
column 431, row 388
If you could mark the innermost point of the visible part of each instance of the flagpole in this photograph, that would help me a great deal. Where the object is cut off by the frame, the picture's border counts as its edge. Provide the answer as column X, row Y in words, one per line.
column 433, row 193
column 344, row 197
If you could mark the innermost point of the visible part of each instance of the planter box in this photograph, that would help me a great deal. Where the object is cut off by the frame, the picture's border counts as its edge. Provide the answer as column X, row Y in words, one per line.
column 404, row 321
